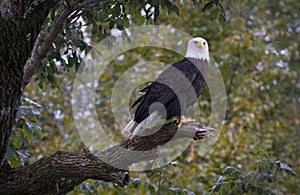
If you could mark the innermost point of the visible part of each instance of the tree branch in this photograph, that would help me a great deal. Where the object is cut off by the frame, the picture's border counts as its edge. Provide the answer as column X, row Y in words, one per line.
column 194, row 130
column 41, row 47
column 62, row 171
column 58, row 174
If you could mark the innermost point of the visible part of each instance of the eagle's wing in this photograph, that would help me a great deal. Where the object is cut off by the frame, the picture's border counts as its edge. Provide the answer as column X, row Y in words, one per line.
column 174, row 80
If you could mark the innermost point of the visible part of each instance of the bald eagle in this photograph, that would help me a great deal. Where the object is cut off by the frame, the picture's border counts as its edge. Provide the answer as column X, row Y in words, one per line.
column 175, row 89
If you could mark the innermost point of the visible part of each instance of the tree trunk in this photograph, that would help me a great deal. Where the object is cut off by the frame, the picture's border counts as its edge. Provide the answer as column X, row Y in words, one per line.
column 20, row 24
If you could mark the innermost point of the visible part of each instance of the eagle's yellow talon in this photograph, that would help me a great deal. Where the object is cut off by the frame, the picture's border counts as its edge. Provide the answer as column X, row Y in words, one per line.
column 184, row 120
column 187, row 120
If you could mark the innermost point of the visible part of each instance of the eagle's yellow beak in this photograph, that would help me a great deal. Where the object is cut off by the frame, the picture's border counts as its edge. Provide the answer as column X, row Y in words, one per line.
column 200, row 44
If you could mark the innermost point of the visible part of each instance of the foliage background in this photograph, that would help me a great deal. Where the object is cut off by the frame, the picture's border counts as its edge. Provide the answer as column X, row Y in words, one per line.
column 257, row 51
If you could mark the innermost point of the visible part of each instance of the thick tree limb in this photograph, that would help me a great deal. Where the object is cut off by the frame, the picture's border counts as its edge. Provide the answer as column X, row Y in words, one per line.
column 58, row 174
column 125, row 154
column 62, row 171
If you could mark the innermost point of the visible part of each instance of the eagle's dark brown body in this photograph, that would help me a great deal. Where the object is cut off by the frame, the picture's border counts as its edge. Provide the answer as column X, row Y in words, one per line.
column 176, row 88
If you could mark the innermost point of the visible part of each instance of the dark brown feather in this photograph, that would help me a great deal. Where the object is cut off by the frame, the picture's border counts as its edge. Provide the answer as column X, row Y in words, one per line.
column 177, row 88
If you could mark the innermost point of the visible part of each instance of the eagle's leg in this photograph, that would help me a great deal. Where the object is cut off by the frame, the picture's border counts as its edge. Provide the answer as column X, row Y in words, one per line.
column 185, row 120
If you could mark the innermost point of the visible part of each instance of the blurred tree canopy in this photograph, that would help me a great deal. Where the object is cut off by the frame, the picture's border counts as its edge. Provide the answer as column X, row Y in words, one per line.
column 254, row 43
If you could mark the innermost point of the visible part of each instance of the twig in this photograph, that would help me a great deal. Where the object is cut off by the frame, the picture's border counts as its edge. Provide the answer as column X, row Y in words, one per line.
column 159, row 183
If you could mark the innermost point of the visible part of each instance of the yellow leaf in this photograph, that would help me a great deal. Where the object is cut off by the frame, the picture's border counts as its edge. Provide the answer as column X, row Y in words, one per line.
column 247, row 102
column 108, row 103
column 105, row 75
column 259, row 116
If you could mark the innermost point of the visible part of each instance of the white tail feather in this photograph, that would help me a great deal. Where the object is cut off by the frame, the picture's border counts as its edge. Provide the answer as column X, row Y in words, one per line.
column 133, row 128
column 148, row 122
column 127, row 131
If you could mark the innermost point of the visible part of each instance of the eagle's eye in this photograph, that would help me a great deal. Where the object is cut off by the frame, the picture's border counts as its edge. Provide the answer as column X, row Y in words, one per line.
column 204, row 43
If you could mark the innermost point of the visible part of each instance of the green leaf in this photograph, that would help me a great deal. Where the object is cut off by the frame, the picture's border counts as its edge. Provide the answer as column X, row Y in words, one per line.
column 228, row 170
column 89, row 187
column 119, row 24
column 217, row 2
column 259, row 190
column 151, row 188
column 72, row 60
column 82, row 187
column 222, row 20
column 270, row 178
column 286, row 168
column 28, row 131
column 136, row 182
column 104, row 184
column 176, row 10
column 235, row 174
column 26, row 111
column 176, row 190
column 39, row 134
column 208, row 5
column 111, row 24
column 52, row 68
column 50, row 78
column 172, row 7
column 251, row 187
column 55, row 54
column 125, row 22
column 11, row 150
column 13, row 157
column 77, row 66
column 214, row 14
column 261, row 177
column 41, row 84
column 271, row 165
column 18, row 142
column 23, row 154
column 217, row 187
column 267, row 191
column 31, row 102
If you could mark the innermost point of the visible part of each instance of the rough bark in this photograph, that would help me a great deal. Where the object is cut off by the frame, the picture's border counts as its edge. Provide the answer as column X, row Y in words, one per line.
column 20, row 24
column 147, row 146
column 61, row 172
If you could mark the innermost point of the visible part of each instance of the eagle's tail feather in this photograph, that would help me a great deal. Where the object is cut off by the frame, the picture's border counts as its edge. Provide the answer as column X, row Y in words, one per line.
column 133, row 128
column 147, row 123
column 128, row 130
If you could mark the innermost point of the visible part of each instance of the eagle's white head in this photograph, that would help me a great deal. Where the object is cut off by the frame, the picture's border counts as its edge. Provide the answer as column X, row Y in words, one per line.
column 198, row 48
